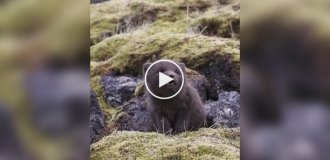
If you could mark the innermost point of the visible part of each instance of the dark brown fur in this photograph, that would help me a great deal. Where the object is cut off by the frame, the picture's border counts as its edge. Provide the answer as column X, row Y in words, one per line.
column 184, row 112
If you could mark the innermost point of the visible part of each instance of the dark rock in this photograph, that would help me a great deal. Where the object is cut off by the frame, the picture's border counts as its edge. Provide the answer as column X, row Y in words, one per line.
column 222, row 73
column 96, row 119
column 225, row 111
column 59, row 101
column 301, row 123
column 10, row 142
column 200, row 83
column 135, row 117
column 97, row 1
column 118, row 89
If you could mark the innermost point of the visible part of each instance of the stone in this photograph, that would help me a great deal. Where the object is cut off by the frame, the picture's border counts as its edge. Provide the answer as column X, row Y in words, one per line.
column 118, row 89
column 225, row 111
column 96, row 119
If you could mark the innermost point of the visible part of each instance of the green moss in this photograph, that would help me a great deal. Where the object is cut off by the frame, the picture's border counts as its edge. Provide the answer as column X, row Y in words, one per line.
column 101, row 26
column 114, row 17
column 168, row 26
column 109, row 112
column 97, row 88
column 221, row 25
column 107, row 49
column 204, row 144
column 149, row 30
column 194, row 50
column 139, row 90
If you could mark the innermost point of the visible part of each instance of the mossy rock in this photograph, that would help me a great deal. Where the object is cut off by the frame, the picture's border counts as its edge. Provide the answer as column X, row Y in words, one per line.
column 110, row 113
column 196, row 51
column 203, row 144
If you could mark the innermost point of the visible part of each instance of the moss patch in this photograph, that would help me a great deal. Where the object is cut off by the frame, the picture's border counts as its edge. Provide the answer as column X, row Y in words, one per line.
column 222, row 25
column 204, row 144
column 109, row 112
column 194, row 50
column 117, row 17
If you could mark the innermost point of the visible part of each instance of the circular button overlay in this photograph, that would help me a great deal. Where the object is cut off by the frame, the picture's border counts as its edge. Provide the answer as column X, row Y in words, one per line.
column 164, row 79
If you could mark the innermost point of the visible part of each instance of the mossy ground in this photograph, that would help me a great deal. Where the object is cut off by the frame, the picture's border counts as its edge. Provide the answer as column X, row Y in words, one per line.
column 154, row 16
column 204, row 144
column 129, row 52
column 126, row 34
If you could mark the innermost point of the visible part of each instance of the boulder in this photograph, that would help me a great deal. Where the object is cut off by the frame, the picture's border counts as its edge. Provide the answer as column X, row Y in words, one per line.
column 135, row 117
column 96, row 119
column 118, row 89
column 223, row 73
column 225, row 111
column 201, row 84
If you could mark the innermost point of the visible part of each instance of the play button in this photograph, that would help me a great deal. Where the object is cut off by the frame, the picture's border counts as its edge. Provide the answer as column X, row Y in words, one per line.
column 160, row 73
column 163, row 79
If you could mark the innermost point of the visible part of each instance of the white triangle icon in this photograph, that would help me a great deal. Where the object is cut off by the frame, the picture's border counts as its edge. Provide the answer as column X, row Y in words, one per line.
column 163, row 79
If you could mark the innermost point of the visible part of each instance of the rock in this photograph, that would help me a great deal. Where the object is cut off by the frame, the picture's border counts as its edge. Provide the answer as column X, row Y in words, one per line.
column 223, row 73
column 96, row 119
column 97, row 1
column 11, row 146
column 135, row 117
column 59, row 101
column 118, row 89
column 200, row 83
column 225, row 111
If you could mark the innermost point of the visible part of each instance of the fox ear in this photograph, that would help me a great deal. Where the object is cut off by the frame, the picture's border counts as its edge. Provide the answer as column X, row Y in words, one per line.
column 183, row 67
column 145, row 67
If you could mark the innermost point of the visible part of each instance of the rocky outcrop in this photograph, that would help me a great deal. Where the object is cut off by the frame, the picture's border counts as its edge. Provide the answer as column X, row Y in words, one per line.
column 96, row 119
column 222, row 72
column 135, row 117
column 225, row 111
column 201, row 84
column 118, row 89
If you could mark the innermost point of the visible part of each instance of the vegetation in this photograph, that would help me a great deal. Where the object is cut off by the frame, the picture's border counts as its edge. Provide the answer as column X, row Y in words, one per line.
column 126, row 34
column 204, row 144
